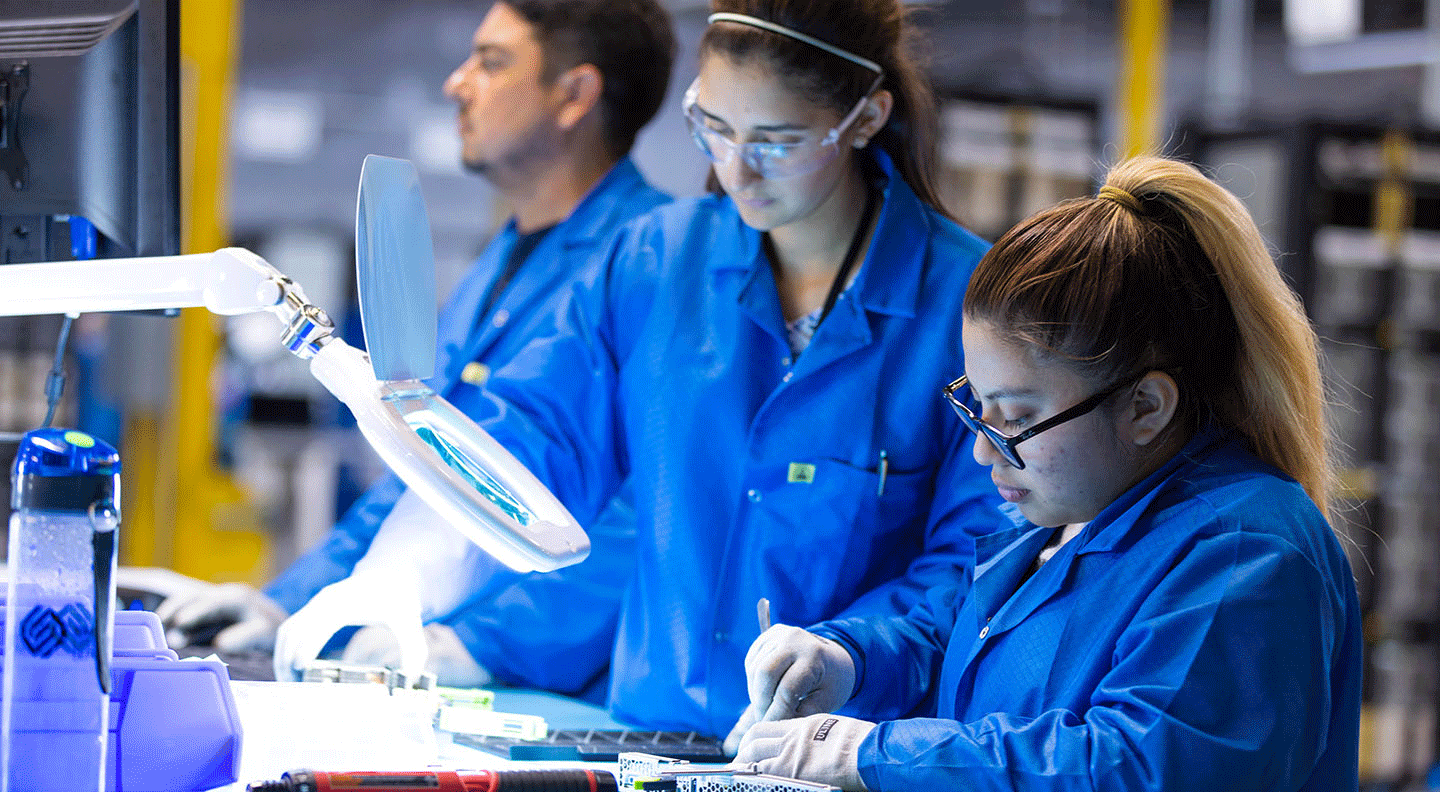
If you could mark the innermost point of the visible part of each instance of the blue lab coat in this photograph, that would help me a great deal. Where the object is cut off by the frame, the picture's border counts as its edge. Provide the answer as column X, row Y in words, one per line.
column 837, row 483
column 1202, row 633
column 523, row 312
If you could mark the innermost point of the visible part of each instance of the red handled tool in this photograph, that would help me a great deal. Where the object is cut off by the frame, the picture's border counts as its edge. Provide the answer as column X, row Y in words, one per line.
column 442, row 781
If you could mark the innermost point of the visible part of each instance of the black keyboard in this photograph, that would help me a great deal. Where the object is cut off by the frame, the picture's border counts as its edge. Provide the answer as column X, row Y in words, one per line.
column 601, row 745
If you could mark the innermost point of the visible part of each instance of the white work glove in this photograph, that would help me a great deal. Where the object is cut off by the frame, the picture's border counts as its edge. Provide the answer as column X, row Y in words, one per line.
column 792, row 673
column 388, row 599
column 450, row 661
column 821, row 748
column 417, row 567
column 252, row 618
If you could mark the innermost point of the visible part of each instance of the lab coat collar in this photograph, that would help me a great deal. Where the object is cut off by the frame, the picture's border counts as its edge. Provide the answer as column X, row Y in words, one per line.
column 593, row 217
column 597, row 214
column 889, row 279
column 1003, row 559
column 1108, row 529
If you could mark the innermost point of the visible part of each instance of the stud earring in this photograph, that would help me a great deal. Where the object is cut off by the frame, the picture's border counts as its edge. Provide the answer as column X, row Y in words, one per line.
column 861, row 142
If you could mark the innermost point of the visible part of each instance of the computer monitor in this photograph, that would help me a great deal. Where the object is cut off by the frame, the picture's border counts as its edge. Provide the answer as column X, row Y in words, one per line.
column 89, row 128
column 89, row 107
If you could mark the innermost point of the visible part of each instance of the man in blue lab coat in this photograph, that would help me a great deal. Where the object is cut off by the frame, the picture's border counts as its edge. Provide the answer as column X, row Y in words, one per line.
column 550, row 101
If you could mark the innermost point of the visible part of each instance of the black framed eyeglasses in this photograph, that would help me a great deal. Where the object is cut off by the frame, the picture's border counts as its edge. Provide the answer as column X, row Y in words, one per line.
column 1005, row 444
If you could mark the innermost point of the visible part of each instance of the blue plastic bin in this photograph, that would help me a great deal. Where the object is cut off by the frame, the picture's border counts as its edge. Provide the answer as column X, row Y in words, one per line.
column 173, row 723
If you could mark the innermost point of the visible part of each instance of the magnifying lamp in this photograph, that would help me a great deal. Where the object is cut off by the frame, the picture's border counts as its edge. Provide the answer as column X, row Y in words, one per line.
column 454, row 465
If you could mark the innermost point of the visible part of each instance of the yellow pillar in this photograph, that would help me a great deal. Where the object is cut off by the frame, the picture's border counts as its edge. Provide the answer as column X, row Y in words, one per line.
column 1394, row 199
column 140, row 473
column 1143, row 28
column 216, row 535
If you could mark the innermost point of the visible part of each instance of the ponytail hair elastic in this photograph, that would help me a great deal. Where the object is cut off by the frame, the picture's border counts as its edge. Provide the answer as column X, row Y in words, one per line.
column 1122, row 197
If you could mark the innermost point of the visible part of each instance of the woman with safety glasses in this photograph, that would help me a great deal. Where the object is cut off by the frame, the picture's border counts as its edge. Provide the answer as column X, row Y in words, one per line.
column 758, row 365
column 1175, row 613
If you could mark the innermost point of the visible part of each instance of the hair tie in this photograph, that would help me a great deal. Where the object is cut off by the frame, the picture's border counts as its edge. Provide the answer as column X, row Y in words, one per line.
column 1122, row 197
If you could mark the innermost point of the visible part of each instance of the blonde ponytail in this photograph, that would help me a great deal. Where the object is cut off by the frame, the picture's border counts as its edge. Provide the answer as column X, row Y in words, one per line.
column 1165, row 269
column 1281, row 398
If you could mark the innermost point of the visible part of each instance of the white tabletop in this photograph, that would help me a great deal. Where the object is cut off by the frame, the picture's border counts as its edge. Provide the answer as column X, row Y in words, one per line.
column 295, row 725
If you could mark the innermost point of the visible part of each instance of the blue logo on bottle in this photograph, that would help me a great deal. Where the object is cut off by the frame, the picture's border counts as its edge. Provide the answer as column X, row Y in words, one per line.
column 45, row 630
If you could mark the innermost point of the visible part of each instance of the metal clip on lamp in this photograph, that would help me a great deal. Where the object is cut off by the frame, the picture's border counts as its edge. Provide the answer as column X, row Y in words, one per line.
column 454, row 465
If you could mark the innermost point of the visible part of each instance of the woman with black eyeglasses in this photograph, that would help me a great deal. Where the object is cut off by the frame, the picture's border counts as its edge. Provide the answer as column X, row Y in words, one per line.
column 1176, row 612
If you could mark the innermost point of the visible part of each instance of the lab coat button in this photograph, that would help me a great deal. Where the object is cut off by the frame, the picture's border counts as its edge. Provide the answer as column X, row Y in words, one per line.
column 785, row 361
column 501, row 317
column 984, row 631
column 787, row 376
column 721, row 637
column 753, row 495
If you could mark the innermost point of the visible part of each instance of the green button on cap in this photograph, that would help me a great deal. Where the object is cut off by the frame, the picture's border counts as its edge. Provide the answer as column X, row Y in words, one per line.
column 79, row 439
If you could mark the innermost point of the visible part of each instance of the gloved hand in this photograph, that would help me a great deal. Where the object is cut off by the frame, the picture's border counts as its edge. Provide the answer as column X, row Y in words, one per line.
column 245, row 618
column 822, row 748
column 450, row 661
column 792, row 673
column 417, row 568
column 388, row 598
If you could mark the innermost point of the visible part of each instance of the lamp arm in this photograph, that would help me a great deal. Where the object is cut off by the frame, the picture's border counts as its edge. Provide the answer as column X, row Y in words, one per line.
column 228, row 281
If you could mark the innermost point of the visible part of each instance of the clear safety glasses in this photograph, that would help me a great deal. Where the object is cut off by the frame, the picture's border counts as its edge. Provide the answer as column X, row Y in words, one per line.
column 1006, row 444
column 769, row 160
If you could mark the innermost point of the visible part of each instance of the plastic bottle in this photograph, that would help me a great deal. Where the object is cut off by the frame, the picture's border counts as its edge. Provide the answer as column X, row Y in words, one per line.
column 59, row 613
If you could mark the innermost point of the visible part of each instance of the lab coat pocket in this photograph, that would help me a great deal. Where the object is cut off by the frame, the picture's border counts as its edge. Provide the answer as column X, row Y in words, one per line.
column 838, row 533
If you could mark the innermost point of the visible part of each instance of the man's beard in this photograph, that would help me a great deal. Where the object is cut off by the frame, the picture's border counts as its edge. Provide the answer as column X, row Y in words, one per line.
column 530, row 154
column 480, row 168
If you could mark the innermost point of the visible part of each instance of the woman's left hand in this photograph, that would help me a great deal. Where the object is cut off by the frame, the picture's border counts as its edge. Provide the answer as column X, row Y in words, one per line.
column 823, row 748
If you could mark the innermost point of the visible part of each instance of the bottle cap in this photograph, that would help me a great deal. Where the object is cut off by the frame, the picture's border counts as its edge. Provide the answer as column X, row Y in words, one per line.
column 64, row 470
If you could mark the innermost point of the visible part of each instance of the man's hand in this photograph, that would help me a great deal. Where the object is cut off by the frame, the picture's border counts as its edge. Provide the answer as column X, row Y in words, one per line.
column 450, row 661
column 390, row 600
column 232, row 617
